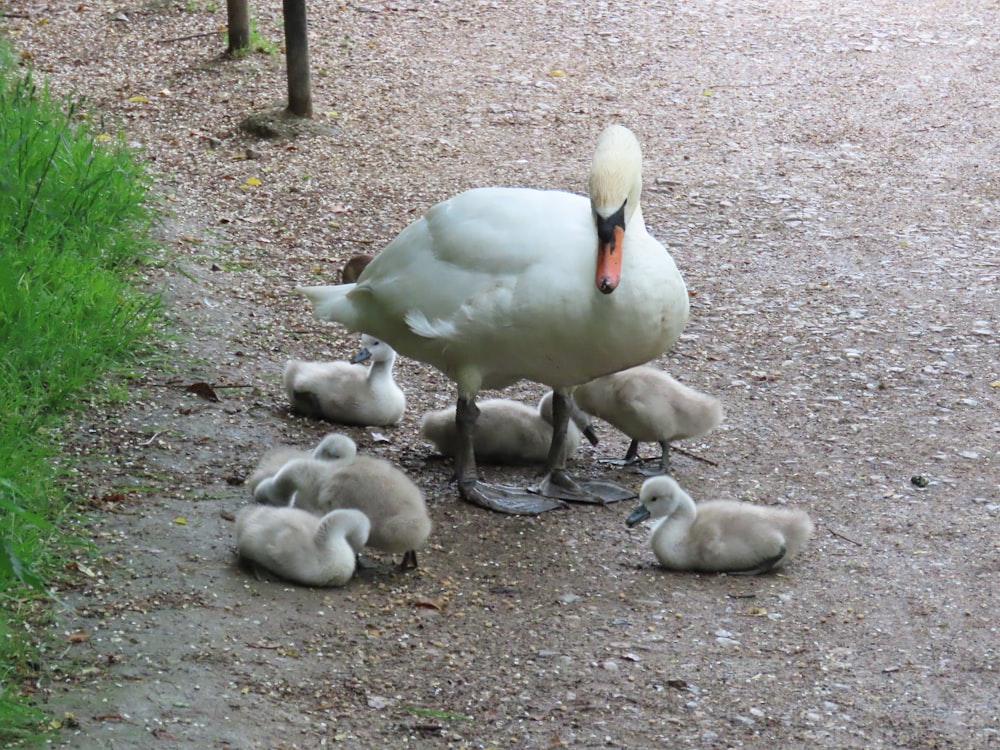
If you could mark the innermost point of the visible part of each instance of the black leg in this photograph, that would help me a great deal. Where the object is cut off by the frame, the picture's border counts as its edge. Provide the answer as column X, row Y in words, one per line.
column 632, row 454
column 557, row 481
column 409, row 560
column 664, row 464
column 665, row 456
column 501, row 499
column 466, row 414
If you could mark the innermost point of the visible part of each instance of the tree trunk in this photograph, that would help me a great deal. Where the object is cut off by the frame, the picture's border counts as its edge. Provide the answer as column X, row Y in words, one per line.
column 297, row 58
column 239, row 24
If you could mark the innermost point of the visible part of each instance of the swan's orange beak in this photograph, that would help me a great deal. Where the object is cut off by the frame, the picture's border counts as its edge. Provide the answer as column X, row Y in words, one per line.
column 609, row 261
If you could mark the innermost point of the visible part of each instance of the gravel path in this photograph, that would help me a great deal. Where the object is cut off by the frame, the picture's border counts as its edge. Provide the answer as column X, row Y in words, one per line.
column 826, row 176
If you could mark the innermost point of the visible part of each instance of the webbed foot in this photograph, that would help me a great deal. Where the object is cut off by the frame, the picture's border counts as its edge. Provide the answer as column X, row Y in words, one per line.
column 618, row 461
column 559, row 484
column 638, row 465
column 504, row 499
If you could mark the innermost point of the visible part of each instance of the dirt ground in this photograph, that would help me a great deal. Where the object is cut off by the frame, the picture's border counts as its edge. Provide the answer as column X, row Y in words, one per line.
column 827, row 177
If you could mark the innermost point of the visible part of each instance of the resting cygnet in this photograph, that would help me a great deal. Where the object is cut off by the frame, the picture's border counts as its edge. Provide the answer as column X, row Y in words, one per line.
column 354, row 266
column 507, row 432
column 719, row 536
column 394, row 504
column 649, row 406
column 299, row 547
column 348, row 393
column 331, row 448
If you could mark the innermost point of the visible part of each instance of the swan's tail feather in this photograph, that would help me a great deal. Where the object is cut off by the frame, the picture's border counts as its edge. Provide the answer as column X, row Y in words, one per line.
column 330, row 302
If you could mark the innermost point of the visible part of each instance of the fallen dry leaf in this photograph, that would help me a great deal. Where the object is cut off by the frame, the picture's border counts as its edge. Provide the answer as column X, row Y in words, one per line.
column 204, row 390
column 428, row 603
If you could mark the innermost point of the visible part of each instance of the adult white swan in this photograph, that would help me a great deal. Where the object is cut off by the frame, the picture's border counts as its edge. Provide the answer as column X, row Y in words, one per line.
column 496, row 285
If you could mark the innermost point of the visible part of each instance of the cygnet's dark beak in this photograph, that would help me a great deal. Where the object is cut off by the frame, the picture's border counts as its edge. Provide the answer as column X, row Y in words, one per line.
column 363, row 355
column 639, row 515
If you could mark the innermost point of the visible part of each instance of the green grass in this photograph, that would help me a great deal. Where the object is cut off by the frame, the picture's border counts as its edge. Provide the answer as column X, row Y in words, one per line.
column 74, row 221
column 258, row 43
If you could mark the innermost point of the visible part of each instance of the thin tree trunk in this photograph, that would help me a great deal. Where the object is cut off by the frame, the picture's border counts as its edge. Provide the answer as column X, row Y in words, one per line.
column 238, row 18
column 297, row 58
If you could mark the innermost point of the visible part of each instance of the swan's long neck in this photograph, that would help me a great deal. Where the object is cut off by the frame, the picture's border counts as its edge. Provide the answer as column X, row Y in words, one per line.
column 283, row 486
column 381, row 370
column 674, row 527
column 635, row 224
column 356, row 535
column 338, row 526
column 330, row 531
column 685, row 507
column 276, row 490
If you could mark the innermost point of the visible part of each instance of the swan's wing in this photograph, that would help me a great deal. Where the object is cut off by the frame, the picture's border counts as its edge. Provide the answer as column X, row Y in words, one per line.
column 473, row 251
column 734, row 538
column 646, row 410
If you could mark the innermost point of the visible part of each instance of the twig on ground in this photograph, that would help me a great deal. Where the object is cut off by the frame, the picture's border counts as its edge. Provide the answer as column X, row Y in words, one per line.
column 190, row 36
column 844, row 537
column 696, row 457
